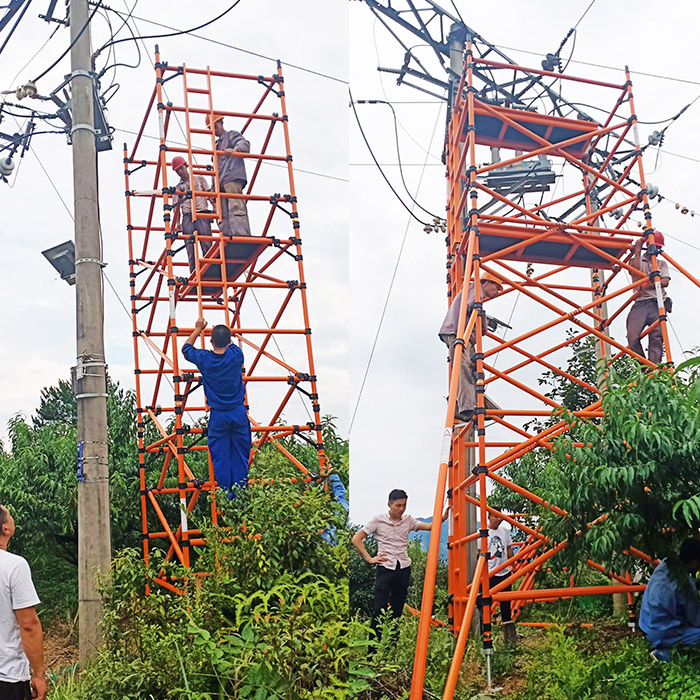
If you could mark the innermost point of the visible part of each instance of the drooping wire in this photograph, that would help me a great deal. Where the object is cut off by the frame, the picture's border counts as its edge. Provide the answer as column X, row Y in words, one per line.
column 178, row 32
column 391, row 285
column 39, row 50
column 242, row 50
column 398, row 153
column 71, row 45
column 379, row 167
column 116, row 64
column 386, row 97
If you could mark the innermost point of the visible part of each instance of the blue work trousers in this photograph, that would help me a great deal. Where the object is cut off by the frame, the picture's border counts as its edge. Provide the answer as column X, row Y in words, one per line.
column 229, row 446
column 687, row 636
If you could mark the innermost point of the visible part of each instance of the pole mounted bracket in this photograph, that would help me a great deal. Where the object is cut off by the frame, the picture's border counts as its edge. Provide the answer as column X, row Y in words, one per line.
column 91, row 260
column 83, row 127
column 79, row 74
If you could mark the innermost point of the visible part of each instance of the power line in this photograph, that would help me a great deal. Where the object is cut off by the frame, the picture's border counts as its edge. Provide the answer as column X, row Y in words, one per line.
column 71, row 45
column 108, row 66
column 41, row 48
column 398, row 154
column 386, row 97
column 600, row 65
column 14, row 26
column 267, row 163
column 176, row 32
column 397, row 165
column 584, row 14
column 238, row 48
column 391, row 286
column 371, row 152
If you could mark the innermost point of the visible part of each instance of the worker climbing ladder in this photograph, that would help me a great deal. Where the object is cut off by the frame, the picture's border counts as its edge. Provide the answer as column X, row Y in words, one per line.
column 253, row 284
column 567, row 257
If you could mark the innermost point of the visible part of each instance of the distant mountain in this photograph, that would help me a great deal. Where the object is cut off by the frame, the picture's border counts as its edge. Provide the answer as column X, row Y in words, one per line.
column 424, row 537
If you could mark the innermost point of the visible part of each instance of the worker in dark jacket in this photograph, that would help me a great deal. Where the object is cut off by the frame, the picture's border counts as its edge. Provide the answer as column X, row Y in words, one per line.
column 229, row 426
column 185, row 202
column 232, row 177
column 466, row 393
column 670, row 612
column 645, row 310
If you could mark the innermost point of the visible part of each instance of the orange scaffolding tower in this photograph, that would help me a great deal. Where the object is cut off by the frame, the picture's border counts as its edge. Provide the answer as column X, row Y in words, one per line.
column 582, row 243
column 254, row 284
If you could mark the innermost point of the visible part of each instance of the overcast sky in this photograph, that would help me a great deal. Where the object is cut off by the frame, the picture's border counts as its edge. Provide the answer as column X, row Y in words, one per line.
column 39, row 308
column 396, row 435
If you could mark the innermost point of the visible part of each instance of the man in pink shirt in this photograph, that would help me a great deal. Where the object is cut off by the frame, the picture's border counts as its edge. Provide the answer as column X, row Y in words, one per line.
column 391, row 531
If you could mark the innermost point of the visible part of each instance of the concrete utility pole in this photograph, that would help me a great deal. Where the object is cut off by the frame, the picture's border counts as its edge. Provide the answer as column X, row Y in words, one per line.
column 94, row 541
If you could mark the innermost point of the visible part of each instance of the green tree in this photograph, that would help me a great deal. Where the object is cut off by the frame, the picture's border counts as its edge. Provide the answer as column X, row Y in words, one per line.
column 634, row 472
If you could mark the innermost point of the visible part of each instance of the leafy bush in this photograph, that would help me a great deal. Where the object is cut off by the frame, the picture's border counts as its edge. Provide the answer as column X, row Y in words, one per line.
column 634, row 473
column 604, row 664
column 38, row 481
column 269, row 621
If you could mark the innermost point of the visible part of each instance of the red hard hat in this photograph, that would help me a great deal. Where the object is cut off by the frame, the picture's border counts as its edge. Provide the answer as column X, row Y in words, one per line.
column 178, row 162
column 659, row 239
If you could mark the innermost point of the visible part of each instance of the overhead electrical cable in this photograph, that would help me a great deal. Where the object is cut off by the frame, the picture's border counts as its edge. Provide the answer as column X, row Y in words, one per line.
column 14, row 26
column 39, row 50
column 71, row 45
column 376, row 162
column 584, row 14
column 600, row 65
column 238, row 48
column 398, row 153
column 391, row 286
column 386, row 97
column 178, row 32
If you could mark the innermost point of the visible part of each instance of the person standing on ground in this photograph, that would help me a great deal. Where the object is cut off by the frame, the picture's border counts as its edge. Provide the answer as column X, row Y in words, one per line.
column 670, row 612
column 491, row 286
column 645, row 310
column 394, row 565
column 232, row 177
column 500, row 550
column 187, row 225
column 229, row 436
column 22, row 672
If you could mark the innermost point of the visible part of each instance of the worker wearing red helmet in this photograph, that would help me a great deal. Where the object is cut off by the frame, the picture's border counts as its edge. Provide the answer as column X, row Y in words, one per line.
column 645, row 309
column 187, row 225
column 232, row 177
column 491, row 286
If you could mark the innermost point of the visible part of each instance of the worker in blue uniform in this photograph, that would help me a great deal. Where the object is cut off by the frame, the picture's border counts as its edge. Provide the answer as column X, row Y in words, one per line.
column 339, row 493
column 670, row 612
column 229, row 427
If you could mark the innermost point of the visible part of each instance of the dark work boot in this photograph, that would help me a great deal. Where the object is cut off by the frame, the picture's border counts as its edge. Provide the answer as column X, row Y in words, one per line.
column 509, row 634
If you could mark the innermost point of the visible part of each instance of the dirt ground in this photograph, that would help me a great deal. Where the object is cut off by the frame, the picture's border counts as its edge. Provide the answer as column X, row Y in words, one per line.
column 60, row 644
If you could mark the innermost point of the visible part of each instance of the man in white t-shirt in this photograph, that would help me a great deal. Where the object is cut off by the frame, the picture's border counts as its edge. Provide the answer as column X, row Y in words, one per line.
column 500, row 550
column 21, row 636
column 394, row 571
